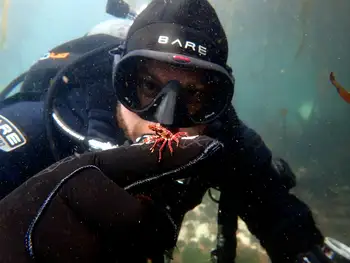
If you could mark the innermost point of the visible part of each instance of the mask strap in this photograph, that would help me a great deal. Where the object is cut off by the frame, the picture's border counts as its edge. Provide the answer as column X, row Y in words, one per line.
column 117, row 54
column 119, row 50
column 229, row 69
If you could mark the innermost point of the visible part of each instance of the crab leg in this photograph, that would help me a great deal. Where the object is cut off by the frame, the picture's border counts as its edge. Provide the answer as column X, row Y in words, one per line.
column 161, row 149
column 170, row 147
column 178, row 135
column 174, row 138
column 155, row 144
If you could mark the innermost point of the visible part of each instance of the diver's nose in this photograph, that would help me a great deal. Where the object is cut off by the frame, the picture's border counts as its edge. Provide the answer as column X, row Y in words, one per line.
column 171, row 108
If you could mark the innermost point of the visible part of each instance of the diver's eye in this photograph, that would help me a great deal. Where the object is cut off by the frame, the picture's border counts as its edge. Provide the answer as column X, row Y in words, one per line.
column 148, row 87
column 194, row 94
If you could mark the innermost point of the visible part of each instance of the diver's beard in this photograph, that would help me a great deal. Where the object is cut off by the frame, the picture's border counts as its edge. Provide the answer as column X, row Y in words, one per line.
column 121, row 122
column 133, row 130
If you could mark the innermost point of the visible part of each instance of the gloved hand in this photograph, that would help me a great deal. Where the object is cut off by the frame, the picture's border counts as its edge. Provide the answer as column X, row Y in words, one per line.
column 87, row 208
column 95, row 77
column 101, row 104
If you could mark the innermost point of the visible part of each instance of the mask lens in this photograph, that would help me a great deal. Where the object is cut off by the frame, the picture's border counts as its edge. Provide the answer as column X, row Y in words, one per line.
column 204, row 93
column 206, row 104
column 136, row 88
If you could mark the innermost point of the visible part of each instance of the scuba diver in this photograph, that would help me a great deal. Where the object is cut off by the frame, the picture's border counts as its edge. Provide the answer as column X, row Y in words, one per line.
column 123, row 203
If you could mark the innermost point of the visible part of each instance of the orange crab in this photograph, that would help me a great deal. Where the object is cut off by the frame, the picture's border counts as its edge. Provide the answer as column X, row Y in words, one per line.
column 163, row 136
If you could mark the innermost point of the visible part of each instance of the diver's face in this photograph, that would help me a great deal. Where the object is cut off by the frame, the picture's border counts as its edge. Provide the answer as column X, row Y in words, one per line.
column 155, row 75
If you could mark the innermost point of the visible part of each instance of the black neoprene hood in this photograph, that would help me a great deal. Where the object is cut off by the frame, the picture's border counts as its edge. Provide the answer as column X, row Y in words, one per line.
column 187, row 27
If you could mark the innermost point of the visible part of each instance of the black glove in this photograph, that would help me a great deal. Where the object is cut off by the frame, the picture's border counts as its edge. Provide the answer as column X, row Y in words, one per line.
column 101, row 104
column 95, row 77
column 91, row 208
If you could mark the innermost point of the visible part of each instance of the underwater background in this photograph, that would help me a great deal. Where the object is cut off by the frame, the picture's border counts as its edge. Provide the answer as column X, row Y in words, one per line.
column 282, row 54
